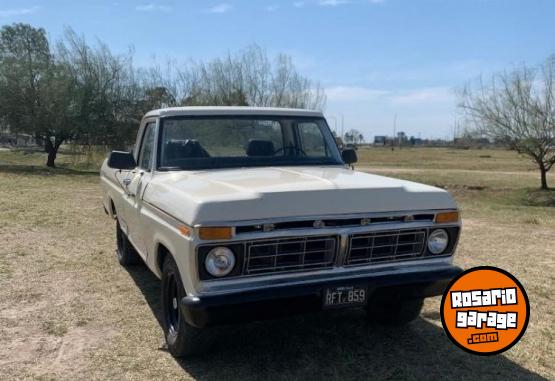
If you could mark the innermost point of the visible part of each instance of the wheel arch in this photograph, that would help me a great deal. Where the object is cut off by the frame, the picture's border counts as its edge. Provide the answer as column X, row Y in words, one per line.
column 113, row 211
column 162, row 248
column 109, row 206
column 161, row 253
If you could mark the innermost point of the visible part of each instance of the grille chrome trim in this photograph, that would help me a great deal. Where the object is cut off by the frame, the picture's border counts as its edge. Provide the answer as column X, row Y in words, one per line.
column 386, row 246
column 337, row 222
column 290, row 254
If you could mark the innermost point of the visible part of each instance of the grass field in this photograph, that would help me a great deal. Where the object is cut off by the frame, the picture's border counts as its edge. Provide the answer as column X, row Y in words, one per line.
column 69, row 311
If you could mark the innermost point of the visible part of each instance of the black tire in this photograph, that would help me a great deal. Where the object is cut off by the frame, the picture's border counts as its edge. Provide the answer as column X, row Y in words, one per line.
column 183, row 339
column 127, row 255
column 393, row 311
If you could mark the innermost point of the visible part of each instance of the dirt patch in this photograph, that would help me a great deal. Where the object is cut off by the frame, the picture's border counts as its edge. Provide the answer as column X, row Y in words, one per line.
column 47, row 356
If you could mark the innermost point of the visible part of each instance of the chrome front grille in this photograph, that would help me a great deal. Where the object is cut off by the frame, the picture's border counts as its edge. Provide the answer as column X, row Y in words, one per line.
column 290, row 254
column 385, row 246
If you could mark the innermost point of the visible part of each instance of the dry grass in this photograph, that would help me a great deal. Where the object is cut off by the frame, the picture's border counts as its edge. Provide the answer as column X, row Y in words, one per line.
column 445, row 158
column 68, row 311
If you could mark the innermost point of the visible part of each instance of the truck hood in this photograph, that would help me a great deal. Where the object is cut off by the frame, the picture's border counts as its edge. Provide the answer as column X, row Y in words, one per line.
column 225, row 195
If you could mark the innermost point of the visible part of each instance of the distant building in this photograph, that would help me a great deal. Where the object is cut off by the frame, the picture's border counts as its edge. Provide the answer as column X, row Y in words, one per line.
column 13, row 139
column 380, row 140
column 415, row 141
column 401, row 138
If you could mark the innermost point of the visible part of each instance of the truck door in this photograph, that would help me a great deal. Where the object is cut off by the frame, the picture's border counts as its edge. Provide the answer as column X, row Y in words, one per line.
column 136, row 183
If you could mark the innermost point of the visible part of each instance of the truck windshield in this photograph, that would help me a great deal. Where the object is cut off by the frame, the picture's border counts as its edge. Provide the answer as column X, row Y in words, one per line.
column 237, row 141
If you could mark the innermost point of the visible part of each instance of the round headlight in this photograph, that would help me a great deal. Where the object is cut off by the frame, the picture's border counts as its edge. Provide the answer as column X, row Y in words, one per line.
column 219, row 261
column 438, row 241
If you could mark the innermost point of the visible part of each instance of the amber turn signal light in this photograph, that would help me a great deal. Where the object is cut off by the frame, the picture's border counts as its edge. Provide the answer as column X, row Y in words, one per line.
column 184, row 230
column 442, row 218
column 211, row 233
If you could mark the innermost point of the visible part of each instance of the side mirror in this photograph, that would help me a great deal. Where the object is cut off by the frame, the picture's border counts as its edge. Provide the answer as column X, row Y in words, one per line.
column 121, row 160
column 349, row 156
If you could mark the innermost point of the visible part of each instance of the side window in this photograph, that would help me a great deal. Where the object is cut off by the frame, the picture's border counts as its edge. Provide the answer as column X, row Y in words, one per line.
column 147, row 147
column 312, row 140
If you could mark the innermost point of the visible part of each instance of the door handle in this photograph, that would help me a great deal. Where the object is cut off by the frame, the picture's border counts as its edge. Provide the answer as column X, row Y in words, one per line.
column 128, row 180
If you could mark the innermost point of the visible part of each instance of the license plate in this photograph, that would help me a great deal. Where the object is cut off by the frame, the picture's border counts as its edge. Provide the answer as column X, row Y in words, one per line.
column 344, row 296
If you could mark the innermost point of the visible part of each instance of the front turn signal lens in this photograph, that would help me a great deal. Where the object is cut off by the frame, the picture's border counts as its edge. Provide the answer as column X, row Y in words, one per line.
column 184, row 230
column 212, row 233
column 445, row 217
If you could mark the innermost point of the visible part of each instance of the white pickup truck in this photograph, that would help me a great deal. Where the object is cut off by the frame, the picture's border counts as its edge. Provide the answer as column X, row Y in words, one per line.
column 248, row 213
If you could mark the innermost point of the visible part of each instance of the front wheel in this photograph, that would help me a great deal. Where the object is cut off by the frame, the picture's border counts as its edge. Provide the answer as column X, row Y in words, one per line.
column 182, row 338
column 394, row 310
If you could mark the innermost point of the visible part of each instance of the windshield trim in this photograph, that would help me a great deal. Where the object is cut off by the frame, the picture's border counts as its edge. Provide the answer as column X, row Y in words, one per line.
column 335, row 160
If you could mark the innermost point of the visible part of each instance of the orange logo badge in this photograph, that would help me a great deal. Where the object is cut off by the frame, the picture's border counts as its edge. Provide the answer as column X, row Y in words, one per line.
column 485, row 310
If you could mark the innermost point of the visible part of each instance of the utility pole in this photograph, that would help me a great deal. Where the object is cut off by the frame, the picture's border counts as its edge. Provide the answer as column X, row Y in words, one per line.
column 342, row 124
column 394, row 131
column 335, row 123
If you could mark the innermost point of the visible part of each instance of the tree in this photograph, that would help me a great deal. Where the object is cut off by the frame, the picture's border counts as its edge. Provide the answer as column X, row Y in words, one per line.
column 76, row 92
column 158, row 88
column 248, row 78
column 109, row 102
column 159, row 97
column 25, row 60
column 37, row 96
column 518, row 108
column 58, row 112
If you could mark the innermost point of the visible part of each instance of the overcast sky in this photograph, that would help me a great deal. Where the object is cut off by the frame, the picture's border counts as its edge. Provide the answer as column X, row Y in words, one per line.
column 376, row 58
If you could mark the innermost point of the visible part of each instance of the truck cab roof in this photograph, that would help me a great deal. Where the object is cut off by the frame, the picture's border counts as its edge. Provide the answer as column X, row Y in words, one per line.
column 232, row 110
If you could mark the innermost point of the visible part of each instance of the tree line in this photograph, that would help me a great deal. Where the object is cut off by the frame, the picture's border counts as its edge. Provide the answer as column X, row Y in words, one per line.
column 72, row 91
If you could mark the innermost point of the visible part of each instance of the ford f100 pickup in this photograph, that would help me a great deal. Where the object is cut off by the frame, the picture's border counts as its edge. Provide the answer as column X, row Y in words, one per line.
column 248, row 213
